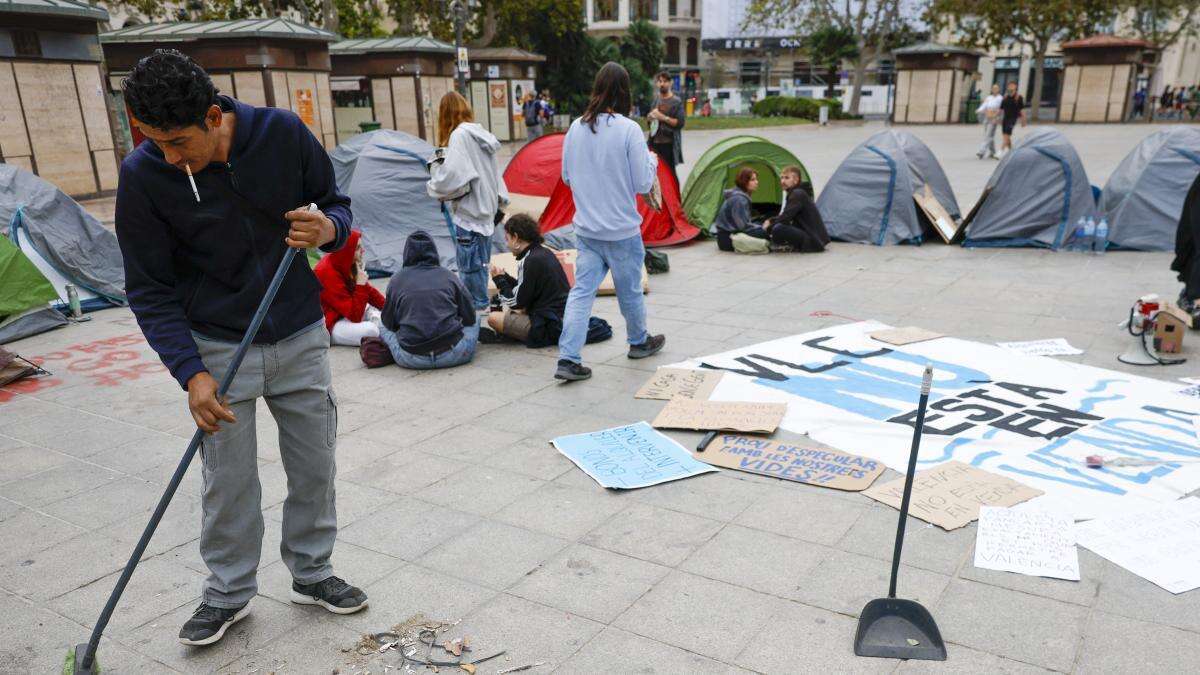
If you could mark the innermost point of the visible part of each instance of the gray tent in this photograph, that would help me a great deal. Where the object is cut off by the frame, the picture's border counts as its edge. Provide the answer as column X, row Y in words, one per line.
column 1144, row 196
column 869, row 199
column 384, row 174
column 1035, row 197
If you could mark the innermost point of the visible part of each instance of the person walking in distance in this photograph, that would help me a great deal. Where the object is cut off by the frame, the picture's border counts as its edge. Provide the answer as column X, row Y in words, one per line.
column 196, row 267
column 606, row 164
column 1012, row 110
column 667, row 117
column 531, row 110
column 989, row 114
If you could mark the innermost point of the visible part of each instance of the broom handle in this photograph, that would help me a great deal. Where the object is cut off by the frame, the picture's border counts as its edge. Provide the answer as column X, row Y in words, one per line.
column 926, row 384
column 177, row 478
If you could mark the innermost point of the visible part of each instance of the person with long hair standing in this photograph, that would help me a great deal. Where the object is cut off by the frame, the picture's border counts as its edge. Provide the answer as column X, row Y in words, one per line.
column 606, row 163
column 464, row 173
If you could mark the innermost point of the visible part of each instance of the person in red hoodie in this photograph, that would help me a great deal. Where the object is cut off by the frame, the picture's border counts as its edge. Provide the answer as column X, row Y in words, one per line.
column 350, row 303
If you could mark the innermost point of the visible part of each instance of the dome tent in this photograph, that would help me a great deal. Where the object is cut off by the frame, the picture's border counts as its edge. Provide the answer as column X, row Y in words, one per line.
column 717, row 168
column 536, row 167
column 1036, row 195
column 1144, row 196
column 384, row 173
column 869, row 199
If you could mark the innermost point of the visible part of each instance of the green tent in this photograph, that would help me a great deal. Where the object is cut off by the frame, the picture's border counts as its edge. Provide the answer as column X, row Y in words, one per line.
column 717, row 168
column 25, row 287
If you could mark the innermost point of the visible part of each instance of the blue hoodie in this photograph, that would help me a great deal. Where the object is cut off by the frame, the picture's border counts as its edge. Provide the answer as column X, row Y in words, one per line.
column 205, row 266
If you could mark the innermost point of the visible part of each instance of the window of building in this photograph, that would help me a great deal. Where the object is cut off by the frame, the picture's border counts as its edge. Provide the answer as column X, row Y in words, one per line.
column 672, row 50
column 693, row 51
column 26, row 42
column 693, row 13
column 750, row 73
column 604, row 10
column 643, row 9
column 672, row 8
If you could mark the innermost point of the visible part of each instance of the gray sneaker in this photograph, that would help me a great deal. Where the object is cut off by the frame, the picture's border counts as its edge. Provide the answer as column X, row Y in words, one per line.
column 650, row 347
column 571, row 371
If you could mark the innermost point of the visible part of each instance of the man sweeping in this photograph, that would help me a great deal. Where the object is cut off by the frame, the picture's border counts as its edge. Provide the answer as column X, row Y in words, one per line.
column 205, row 212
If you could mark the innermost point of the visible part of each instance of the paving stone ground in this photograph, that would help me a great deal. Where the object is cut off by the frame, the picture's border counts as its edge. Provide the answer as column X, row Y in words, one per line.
column 452, row 504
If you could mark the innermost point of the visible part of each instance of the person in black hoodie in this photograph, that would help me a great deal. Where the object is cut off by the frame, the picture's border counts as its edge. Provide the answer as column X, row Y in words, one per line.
column 1187, row 252
column 534, row 301
column 428, row 316
column 799, row 226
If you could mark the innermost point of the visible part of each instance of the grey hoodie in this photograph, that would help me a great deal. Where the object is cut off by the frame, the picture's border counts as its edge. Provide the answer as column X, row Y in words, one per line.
column 469, row 179
column 734, row 214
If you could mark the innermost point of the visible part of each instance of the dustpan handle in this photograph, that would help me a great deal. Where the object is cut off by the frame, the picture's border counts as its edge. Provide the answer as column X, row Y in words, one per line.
column 926, row 384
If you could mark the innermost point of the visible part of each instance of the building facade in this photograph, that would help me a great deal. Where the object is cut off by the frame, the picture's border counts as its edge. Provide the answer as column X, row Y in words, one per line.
column 679, row 21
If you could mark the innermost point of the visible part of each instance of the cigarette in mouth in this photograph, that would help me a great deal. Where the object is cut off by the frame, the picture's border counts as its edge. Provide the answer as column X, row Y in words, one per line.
column 191, row 180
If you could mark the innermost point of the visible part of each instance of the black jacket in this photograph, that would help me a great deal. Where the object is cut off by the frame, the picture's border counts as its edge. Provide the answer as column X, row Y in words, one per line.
column 541, row 289
column 1187, row 243
column 802, row 221
column 205, row 266
column 427, row 305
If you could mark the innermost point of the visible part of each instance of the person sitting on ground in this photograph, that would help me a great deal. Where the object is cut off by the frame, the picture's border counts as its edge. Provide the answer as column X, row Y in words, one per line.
column 799, row 226
column 350, row 304
column 429, row 316
column 533, row 302
column 1187, row 252
column 734, row 215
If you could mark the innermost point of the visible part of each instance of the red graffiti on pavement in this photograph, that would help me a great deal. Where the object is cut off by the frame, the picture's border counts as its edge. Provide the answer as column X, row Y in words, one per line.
column 103, row 361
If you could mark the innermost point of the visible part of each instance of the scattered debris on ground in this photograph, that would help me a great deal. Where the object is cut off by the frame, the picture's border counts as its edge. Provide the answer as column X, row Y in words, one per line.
column 417, row 643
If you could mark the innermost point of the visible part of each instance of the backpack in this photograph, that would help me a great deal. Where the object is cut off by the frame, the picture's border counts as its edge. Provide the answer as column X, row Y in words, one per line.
column 530, row 112
column 599, row 330
column 656, row 262
column 374, row 352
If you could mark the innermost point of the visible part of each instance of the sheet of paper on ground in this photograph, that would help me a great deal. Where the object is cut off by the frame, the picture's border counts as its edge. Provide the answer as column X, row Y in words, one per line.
column 682, row 413
column 803, row 462
column 904, row 336
column 949, row 495
column 1052, row 347
column 1160, row 544
column 1034, row 420
column 632, row 456
column 669, row 383
column 1026, row 541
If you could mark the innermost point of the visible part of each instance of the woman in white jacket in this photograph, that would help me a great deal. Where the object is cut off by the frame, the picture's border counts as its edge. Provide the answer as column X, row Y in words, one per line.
column 465, row 174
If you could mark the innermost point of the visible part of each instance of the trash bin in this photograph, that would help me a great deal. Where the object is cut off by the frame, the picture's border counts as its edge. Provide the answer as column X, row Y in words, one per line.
column 370, row 126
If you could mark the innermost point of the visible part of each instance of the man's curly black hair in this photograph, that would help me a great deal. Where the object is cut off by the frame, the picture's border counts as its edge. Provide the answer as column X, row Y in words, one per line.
column 167, row 90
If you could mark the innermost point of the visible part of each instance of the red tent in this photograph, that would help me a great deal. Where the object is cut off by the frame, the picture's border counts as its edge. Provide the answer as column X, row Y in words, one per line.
column 536, row 169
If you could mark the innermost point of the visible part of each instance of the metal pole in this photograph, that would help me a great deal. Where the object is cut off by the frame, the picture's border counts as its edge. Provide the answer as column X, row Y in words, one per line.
column 460, row 77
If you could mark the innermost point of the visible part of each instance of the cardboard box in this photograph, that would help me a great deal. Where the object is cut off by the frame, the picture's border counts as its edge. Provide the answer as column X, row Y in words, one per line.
column 1170, row 325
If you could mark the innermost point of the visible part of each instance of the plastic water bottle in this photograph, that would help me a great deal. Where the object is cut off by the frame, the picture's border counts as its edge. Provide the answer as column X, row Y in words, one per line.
column 1077, row 237
column 1089, row 234
column 1100, row 244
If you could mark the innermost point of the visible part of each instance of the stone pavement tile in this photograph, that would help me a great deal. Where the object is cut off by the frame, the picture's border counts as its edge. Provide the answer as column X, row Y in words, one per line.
column 969, row 661
column 493, row 554
column 357, row 565
column 354, row 451
column 59, row 483
column 408, row 528
column 468, row 442
column 179, row 525
column 521, row 417
column 611, row 377
column 781, row 566
column 142, row 454
column 479, row 489
column 9, row 508
column 846, row 582
column 412, row 590
column 926, row 546
column 157, row 587
column 1008, row 623
column 1115, row 644
column 700, row 615
column 680, row 346
column 577, row 400
column 193, row 480
column 404, row 472
column 29, row 531
column 618, row 651
column 9, row 443
column 562, row 511
column 713, row 495
column 88, row 434
column 527, row 631
column 62, row 567
column 458, row 407
column 353, row 503
column 19, row 460
column 809, row 514
column 1125, row 594
column 1082, row 592
column 403, row 432
column 268, row 619
column 801, row 639
column 590, row 582
column 653, row 534
column 312, row 646
column 273, row 479
column 532, row 456
column 106, row 504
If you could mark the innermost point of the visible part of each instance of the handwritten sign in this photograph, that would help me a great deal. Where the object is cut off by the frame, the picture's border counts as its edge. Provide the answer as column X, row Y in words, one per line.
column 803, row 462
column 682, row 413
column 1160, row 544
column 904, row 336
column 1051, row 347
column 949, row 495
column 669, row 383
column 628, row 457
column 1027, row 541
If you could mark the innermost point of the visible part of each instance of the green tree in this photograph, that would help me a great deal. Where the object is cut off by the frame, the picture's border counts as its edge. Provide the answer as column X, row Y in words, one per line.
column 641, row 52
column 1161, row 23
column 829, row 46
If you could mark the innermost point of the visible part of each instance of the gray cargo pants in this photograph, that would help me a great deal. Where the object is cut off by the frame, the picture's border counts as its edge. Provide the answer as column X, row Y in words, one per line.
column 292, row 375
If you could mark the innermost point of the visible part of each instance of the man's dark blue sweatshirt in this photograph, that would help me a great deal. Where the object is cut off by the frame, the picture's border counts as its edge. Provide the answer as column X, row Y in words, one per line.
column 205, row 266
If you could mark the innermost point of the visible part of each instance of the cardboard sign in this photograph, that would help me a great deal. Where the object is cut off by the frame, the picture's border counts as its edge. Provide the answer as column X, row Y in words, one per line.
column 803, row 462
column 669, row 383
column 682, row 413
column 1027, row 541
column 1160, row 544
column 942, row 221
column 304, row 105
column 904, row 336
column 631, row 456
column 508, row 263
column 949, row 495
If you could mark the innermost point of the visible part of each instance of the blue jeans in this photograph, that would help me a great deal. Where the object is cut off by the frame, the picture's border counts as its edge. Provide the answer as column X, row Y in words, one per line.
column 474, row 255
column 625, row 258
column 461, row 353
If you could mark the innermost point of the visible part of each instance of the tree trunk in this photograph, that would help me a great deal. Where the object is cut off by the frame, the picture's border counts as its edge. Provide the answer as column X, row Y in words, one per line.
column 489, row 28
column 1039, row 72
column 856, row 80
column 329, row 16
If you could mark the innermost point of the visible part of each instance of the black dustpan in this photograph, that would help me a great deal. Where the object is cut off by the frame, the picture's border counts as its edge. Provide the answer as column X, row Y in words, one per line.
column 891, row 627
